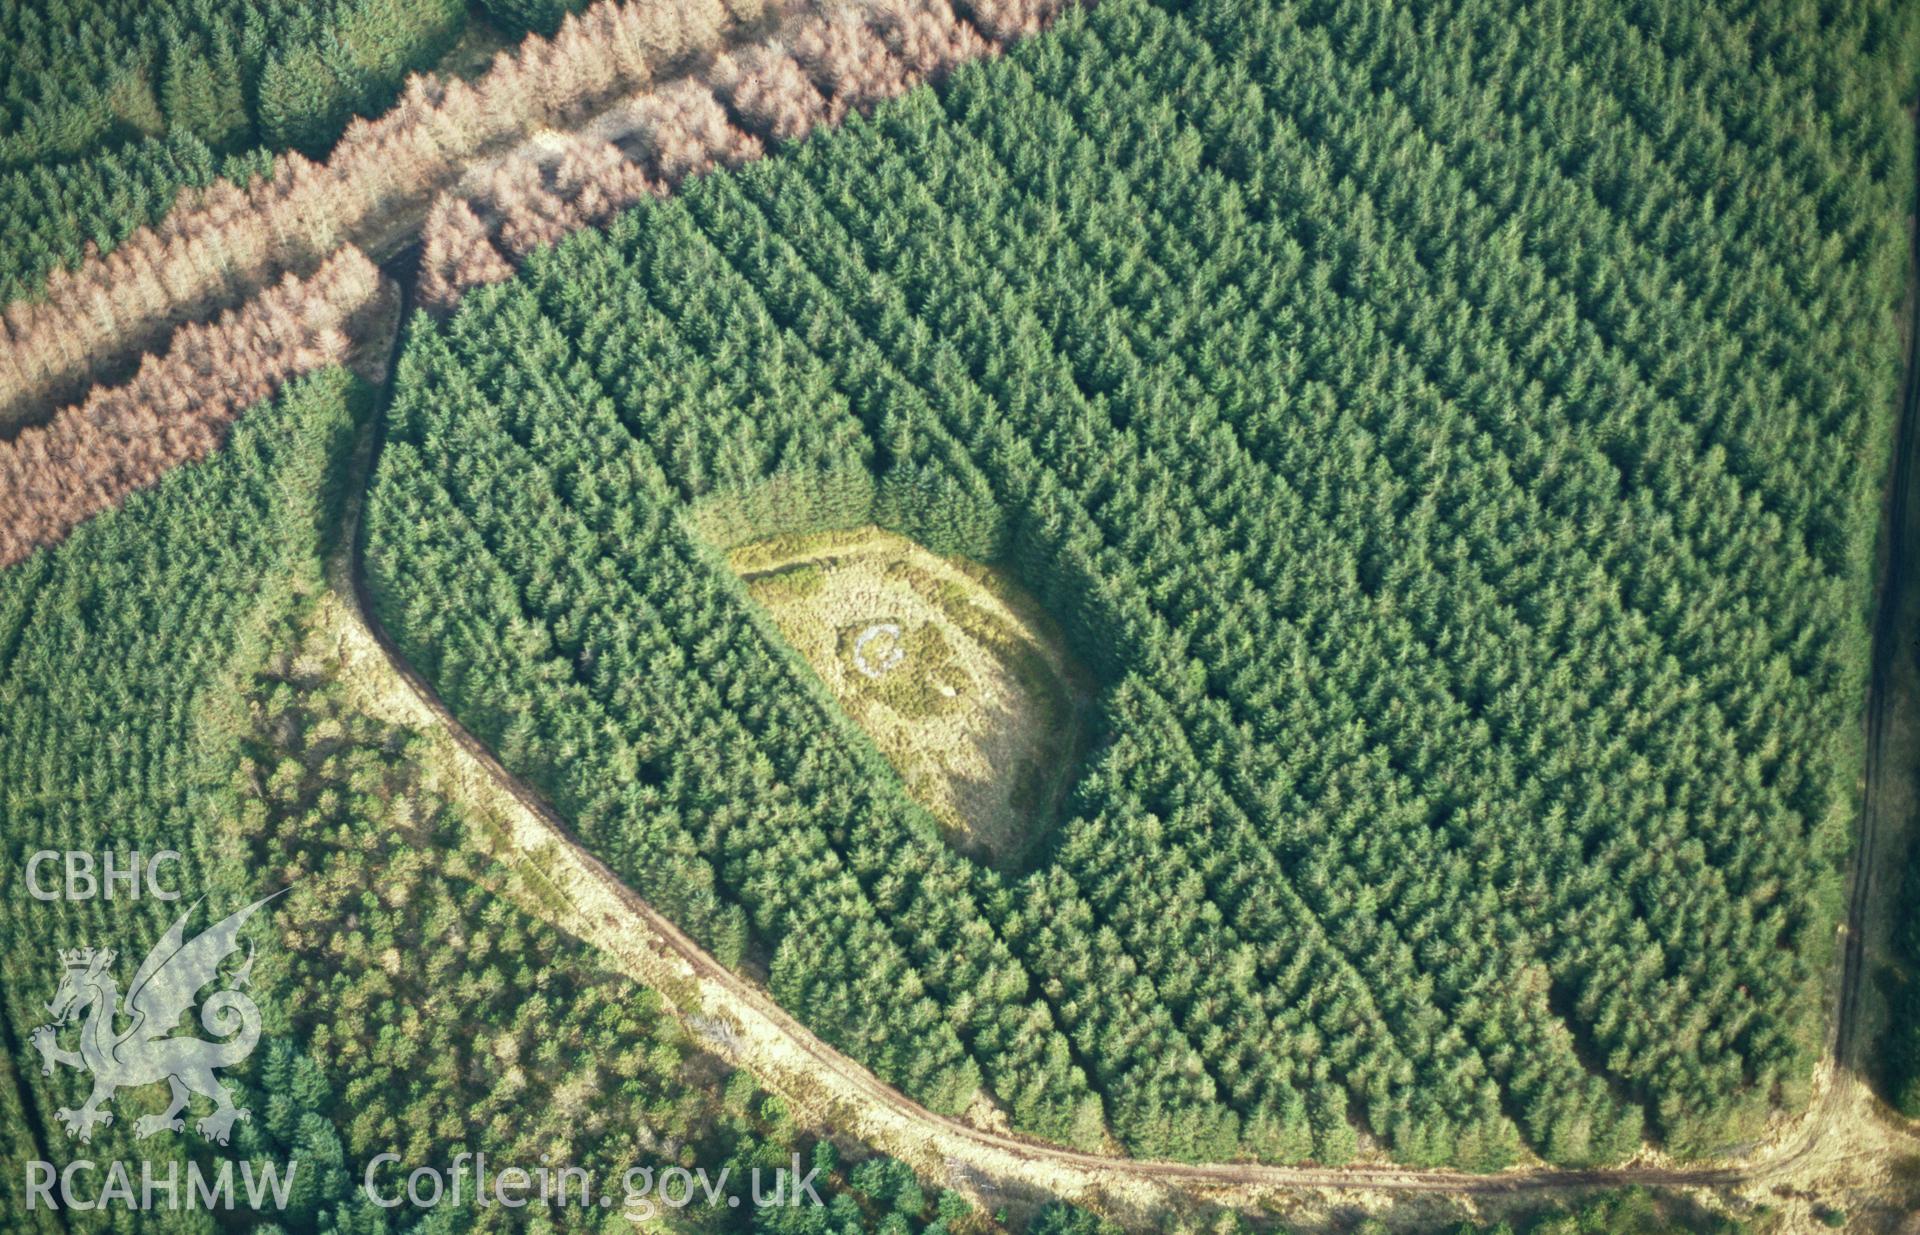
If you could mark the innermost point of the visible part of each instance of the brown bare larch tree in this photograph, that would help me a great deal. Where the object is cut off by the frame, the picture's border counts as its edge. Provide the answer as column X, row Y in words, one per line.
column 219, row 244
column 177, row 407
column 458, row 254
column 770, row 92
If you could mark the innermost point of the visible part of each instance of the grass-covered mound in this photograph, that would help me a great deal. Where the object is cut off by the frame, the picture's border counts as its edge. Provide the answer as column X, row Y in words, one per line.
column 957, row 676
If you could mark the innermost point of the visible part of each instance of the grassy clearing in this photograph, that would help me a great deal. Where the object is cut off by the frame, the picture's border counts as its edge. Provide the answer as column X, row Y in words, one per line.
column 960, row 678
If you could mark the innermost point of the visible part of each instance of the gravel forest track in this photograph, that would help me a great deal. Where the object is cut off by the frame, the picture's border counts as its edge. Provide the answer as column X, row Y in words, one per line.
column 896, row 1124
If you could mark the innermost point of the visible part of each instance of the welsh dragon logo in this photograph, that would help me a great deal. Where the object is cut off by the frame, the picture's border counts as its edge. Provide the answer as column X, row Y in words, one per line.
column 163, row 990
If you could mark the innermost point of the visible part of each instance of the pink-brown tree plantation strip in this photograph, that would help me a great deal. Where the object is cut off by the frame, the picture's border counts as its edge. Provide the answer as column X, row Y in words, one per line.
column 178, row 407
column 818, row 66
column 645, row 139
column 220, row 244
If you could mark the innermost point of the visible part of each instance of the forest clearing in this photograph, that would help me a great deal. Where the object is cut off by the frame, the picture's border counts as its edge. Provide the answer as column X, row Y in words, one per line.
column 1219, row 615
column 952, row 672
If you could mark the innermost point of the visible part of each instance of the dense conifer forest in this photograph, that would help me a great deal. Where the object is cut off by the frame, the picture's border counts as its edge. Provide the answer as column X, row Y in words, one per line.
column 1447, row 441
column 109, row 107
column 1453, row 440
column 163, row 669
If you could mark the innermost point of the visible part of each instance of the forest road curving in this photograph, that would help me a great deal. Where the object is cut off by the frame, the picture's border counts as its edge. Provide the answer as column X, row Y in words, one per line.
column 999, row 1156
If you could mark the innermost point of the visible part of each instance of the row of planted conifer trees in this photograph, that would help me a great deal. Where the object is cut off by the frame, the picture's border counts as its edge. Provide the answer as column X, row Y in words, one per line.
column 1472, row 530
